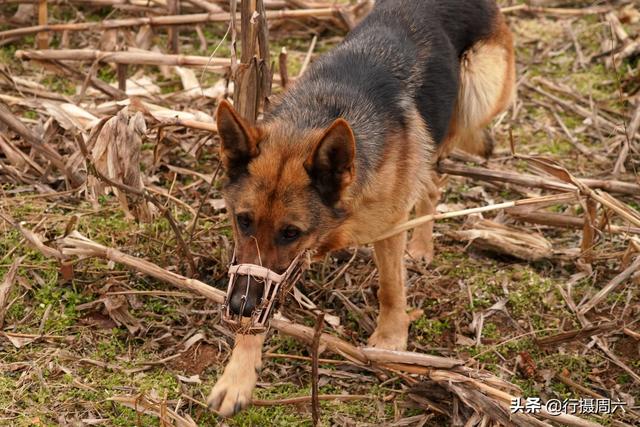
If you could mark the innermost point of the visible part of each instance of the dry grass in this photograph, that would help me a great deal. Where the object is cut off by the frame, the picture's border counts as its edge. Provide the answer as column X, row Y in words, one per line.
column 78, row 336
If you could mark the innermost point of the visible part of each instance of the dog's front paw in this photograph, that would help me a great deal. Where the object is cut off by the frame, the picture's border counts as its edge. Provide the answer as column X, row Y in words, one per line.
column 232, row 392
column 392, row 332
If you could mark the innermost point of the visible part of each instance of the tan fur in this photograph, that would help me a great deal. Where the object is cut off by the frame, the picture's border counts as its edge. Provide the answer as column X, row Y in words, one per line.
column 421, row 245
column 396, row 186
column 234, row 388
column 393, row 321
column 487, row 87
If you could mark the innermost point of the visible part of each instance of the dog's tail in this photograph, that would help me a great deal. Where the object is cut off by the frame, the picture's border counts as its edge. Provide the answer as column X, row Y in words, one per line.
column 487, row 87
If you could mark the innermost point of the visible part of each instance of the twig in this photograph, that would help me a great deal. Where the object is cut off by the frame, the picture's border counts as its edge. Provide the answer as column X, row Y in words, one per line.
column 173, row 32
column 33, row 238
column 566, row 221
column 554, row 169
column 42, row 39
column 464, row 212
column 588, row 230
column 305, row 399
column 7, row 285
column 38, row 144
column 135, row 57
column 315, row 348
column 578, row 333
column 282, row 68
column 568, row 381
column 307, row 58
column 190, row 19
column 203, row 201
column 139, row 193
column 453, row 168
column 598, row 120
column 427, row 360
column 611, row 286
column 557, row 10
column 206, row 5
column 92, row 80
column 193, row 124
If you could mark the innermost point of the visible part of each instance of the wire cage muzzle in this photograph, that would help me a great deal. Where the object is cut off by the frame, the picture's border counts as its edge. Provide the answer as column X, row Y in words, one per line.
column 275, row 287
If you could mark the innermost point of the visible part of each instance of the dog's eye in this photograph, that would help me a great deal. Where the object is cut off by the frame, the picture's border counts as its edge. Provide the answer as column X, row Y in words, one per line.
column 244, row 222
column 290, row 233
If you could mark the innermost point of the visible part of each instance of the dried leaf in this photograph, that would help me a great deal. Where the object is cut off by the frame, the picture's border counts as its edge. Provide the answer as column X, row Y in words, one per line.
column 188, row 79
column 194, row 379
column 66, row 270
column 11, row 153
column 18, row 341
column 150, row 406
column 217, row 204
column 498, row 238
column 527, row 365
column 141, row 86
column 192, row 340
column 118, row 309
column 116, row 155
column 70, row 116
column 7, row 285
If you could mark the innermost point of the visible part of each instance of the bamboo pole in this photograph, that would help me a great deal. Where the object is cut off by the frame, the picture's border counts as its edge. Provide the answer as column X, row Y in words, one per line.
column 269, row 4
column 131, row 57
column 559, row 11
column 547, row 183
column 564, row 221
column 189, row 19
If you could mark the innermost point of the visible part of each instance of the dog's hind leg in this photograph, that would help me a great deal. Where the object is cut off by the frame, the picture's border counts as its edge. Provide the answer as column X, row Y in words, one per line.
column 421, row 244
column 392, row 329
column 487, row 88
column 234, row 388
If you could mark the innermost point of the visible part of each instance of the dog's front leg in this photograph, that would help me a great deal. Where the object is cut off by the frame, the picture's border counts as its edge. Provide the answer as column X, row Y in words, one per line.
column 392, row 330
column 233, row 389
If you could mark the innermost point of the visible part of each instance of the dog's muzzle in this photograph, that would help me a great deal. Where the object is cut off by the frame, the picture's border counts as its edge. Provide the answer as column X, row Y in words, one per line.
column 238, row 312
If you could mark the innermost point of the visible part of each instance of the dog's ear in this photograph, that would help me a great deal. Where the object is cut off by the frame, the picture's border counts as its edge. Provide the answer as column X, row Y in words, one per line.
column 331, row 164
column 239, row 141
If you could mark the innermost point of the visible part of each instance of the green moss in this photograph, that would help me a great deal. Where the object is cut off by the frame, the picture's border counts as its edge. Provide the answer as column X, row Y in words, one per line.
column 30, row 114
column 107, row 74
column 490, row 330
column 557, row 147
column 7, row 388
column 127, row 417
column 107, row 349
column 57, row 83
column 429, row 330
column 159, row 380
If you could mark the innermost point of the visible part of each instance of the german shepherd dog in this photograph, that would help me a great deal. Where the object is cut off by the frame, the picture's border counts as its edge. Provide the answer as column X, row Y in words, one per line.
column 350, row 150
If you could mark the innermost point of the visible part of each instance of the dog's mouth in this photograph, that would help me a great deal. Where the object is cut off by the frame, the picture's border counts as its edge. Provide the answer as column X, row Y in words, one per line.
column 254, row 291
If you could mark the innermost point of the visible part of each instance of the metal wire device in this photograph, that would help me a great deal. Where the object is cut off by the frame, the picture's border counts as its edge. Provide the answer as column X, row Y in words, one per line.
column 275, row 288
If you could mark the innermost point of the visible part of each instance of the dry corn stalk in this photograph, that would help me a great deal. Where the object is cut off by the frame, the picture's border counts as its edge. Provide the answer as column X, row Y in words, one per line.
column 116, row 155
column 499, row 238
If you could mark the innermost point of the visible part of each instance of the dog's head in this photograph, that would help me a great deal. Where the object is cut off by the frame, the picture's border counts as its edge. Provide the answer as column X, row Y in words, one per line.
column 284, row 190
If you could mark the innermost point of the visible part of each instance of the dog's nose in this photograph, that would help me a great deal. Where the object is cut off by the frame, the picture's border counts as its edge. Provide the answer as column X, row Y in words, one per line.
column 246, row 296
